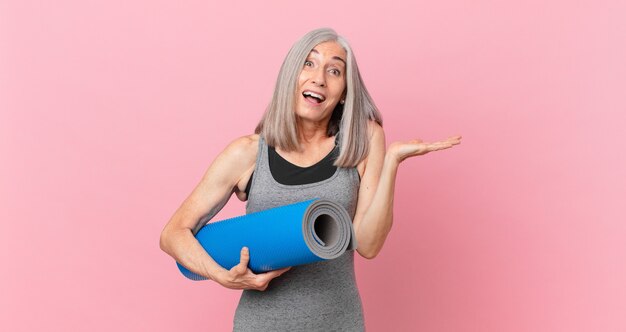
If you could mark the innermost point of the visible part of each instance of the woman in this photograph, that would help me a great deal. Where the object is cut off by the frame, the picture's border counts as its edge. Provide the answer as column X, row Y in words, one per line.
column 321, row 136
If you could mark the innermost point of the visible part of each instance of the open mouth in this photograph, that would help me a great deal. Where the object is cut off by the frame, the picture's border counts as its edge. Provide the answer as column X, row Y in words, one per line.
column 313, row 97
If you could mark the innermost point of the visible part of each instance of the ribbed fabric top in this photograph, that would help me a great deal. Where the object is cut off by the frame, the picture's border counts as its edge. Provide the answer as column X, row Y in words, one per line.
column 287, row 173
column 316, row 297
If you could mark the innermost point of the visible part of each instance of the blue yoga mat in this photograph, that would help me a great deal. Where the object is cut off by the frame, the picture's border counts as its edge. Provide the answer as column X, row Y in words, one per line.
column 290, row 235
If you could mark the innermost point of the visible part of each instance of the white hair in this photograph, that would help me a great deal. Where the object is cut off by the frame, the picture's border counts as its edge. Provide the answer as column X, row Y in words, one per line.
column 350, row 120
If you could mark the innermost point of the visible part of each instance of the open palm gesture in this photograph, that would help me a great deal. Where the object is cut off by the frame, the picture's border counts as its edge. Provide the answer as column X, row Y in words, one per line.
column 402, row 150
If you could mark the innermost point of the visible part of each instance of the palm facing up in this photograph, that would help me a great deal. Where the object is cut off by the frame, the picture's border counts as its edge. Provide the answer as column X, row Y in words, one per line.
column 402, row 150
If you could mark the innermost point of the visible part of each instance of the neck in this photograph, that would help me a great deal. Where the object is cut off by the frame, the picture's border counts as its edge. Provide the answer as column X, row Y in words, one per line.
column 312, row 132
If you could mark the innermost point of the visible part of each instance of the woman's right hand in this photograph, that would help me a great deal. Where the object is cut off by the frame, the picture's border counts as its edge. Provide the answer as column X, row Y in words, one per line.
column 241, row 277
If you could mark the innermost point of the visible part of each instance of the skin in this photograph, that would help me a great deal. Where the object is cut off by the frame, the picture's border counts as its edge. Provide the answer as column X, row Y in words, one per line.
column 323, row 73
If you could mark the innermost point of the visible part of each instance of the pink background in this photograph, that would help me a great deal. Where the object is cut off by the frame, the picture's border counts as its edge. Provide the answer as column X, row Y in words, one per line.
column 110, row 111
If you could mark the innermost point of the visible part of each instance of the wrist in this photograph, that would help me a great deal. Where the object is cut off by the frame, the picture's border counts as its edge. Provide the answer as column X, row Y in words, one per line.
column 391, row 160
column 211, row 273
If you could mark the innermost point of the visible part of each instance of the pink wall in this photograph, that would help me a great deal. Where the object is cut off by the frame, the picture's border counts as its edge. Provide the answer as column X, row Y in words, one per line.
column 110, row 111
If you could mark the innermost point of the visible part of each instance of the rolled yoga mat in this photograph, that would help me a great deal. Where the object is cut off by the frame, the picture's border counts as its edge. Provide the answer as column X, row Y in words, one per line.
column 290, row 235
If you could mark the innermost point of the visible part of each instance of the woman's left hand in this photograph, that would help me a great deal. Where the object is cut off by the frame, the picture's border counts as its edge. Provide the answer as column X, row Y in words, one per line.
column 399, row 151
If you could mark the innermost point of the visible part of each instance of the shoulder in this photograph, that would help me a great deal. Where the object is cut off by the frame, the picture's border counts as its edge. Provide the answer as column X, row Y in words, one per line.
column 241, row 155
column 376, row 137
column 375, row 131
column 230, row 165
column 244, row 148
column 238, row 156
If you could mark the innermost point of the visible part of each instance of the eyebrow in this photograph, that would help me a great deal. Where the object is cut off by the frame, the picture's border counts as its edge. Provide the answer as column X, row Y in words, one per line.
column 334, row 57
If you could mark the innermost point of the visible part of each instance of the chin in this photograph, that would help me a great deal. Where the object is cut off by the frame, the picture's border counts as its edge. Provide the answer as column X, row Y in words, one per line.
column 310, row 114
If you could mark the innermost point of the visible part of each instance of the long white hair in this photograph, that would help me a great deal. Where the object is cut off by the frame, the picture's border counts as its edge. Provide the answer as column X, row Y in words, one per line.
column 278, row 124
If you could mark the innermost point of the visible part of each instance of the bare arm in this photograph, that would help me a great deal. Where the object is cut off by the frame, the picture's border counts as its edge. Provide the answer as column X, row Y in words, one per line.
column 206, row 200
column 374, row 215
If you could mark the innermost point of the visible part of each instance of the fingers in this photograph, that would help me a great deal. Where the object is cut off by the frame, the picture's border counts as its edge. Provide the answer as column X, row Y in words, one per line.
column 448, row 143
column 263, row 279
column 438, row 146
column 259, row 281
column 281, row 271
column 244, row 258
column 249, row 280
column 272, row 274
column 454, row 140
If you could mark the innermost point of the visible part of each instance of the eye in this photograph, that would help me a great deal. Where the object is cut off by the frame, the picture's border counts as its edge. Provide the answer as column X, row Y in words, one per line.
column 335, row 72
column 308, row 63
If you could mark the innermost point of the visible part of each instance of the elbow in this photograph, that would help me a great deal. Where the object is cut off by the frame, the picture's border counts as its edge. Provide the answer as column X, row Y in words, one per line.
column 369, row 253
column 163, row 241
column 372, row 249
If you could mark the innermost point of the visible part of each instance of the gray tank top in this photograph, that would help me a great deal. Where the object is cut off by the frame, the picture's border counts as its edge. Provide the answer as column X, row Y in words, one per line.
column 320, row 296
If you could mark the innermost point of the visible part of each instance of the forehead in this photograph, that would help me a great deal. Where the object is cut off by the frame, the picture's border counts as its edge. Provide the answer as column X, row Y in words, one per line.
column 329, row 49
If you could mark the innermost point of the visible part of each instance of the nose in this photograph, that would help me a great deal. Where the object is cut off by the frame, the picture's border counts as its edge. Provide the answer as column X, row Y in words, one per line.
column 318, row 77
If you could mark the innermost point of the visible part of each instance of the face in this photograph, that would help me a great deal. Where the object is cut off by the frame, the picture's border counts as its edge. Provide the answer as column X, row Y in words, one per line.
column 322, row 82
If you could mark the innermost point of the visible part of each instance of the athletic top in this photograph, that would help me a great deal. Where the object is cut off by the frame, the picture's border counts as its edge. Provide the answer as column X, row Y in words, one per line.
column 285, row 172
column 320, row 296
